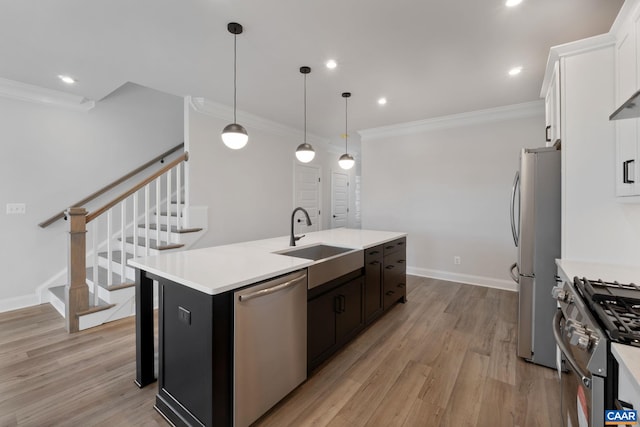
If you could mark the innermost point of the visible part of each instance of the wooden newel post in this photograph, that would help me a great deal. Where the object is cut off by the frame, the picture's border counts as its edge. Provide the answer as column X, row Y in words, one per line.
column 76, row 290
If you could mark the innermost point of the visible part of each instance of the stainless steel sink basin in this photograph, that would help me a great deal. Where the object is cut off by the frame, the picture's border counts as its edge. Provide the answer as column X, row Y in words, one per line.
column 331, row 262
column 316, row 252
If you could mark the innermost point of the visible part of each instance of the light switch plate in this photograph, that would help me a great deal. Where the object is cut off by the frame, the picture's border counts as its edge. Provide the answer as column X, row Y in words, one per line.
column 16, row 208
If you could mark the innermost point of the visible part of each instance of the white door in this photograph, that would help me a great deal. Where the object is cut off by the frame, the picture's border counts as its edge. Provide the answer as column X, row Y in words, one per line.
column 307, row 196
column 339, row 199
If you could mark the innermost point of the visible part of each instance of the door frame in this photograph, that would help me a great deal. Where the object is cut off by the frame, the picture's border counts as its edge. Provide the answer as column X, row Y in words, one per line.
column 296, row 164
column 348, row 175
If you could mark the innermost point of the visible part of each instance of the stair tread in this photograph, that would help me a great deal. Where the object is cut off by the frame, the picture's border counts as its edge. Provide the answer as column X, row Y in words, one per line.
column 116, row 279
column 116, row 256
column 58, row 292
column 153, row 245
column 174, row 229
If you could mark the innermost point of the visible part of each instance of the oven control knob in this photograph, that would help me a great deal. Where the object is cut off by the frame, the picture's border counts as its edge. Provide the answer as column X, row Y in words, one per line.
column 580, row 339
column 559, row 294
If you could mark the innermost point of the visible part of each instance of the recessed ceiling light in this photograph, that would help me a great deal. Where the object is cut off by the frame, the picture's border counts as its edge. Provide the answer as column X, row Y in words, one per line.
column 331, row 64
column 68, row 80
column 511, row 3
column 515, row 71
column 382, row 101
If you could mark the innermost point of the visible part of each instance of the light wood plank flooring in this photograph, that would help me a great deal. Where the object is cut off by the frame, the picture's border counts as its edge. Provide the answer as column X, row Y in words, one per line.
column 446, row 358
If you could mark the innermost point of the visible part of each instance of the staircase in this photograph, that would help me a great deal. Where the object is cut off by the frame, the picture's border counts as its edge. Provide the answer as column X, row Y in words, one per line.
column 149, row 219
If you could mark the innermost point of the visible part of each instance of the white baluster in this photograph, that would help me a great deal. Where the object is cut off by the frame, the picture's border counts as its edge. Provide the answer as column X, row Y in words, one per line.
column 146, row 219
column 123, row 258
column 169, row 205
column 94, row 245
column 180, row 222
column 109, row 250
column 158, row 212
column 135, row 223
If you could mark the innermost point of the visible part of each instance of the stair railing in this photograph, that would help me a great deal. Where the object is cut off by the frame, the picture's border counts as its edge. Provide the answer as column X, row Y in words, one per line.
column 110, row 225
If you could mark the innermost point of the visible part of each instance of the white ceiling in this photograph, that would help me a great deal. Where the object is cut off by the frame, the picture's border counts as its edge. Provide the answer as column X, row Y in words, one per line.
column 429, row 58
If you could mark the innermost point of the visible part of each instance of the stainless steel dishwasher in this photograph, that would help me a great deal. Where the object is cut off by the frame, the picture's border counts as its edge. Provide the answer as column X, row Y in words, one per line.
column 270, row 344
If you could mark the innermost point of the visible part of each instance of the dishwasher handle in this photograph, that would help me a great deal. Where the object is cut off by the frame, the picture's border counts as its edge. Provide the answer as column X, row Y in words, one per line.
column 272, row 289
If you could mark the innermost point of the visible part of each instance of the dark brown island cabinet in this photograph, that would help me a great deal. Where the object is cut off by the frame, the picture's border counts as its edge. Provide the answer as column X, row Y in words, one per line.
column 195, row 363
column 338, row 310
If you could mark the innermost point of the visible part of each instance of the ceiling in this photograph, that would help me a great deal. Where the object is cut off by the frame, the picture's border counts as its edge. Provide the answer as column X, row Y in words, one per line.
column 428, row 58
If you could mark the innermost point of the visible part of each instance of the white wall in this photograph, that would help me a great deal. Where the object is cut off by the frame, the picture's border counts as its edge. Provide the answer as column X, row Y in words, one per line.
column 52, row 157
column 248, row 192
column 449, row 189
column 597, row 227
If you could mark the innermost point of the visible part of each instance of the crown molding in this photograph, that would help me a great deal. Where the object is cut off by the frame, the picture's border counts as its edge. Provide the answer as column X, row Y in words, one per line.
column 527, row 109
column 25, row 92
column 573, row 48
column 251, row 121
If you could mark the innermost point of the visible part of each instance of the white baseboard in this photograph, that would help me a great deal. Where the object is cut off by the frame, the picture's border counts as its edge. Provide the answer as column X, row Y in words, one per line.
column 8, row 304
column 464, row 278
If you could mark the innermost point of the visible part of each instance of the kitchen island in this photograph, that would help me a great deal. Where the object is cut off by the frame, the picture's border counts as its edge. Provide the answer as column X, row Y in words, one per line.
column 195, row 358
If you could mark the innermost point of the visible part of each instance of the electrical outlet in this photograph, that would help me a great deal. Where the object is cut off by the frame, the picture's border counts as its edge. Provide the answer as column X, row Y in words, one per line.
column 456, row 260
column 16, row 209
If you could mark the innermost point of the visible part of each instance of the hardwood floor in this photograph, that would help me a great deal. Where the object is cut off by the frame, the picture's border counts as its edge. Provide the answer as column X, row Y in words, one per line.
column 446, row 358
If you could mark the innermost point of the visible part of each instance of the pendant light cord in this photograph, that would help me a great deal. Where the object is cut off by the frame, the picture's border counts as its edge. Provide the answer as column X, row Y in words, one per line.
column 346, row 135
column 305, row 108
column 235, row 53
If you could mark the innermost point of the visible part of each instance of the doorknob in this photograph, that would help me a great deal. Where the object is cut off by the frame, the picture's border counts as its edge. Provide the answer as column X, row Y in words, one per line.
column 335, row 216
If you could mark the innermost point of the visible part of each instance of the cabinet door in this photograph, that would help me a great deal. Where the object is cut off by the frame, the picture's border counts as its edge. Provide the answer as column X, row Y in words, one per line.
column 626, row 129
column 552, row 108
column 373, row 300
column 350, row 316
column 321, row 326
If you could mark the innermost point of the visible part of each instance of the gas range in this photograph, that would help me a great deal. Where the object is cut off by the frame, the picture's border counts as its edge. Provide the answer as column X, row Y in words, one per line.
column 592, row 315
column 616, row 307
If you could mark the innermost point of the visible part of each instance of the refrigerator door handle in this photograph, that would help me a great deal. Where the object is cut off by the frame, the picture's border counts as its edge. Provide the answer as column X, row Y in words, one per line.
column 514, row 188
column 515, row 277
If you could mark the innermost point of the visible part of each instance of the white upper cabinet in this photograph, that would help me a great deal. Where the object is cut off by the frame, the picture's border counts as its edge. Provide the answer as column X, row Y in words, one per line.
column 627, row 79
column 552, row 108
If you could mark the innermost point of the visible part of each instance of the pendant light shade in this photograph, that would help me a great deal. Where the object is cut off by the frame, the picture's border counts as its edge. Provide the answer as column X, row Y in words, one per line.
column 305, row 152
column 234, row 135
column 346, row 161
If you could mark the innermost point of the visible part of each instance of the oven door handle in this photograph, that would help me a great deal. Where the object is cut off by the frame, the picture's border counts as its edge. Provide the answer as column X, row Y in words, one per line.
column 584, row 376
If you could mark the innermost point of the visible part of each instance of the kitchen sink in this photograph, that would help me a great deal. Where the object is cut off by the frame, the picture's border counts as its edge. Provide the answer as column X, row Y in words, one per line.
column 331, row 262
column 316, row 252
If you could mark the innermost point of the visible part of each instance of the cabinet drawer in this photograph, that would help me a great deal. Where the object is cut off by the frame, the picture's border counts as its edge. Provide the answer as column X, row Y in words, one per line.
column 395, row 245
column 373, row 253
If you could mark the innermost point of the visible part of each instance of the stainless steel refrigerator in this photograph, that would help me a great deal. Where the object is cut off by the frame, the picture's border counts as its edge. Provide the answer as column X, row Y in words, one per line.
column 535, row 224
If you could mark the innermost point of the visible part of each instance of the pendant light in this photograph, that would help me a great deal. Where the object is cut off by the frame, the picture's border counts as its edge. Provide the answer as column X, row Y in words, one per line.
column 305, row 152
column 234, row 135
column 346, row 161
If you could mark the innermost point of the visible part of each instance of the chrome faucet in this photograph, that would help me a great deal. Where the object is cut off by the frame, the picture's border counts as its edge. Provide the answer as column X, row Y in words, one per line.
column 294, row 239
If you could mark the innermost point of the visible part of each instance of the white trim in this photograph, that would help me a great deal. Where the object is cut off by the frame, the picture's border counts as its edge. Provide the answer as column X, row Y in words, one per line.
column 570, row 49
column 223, row 112
column 488, row 282
column 527, row 109
column 15, row 303
column 39, row 95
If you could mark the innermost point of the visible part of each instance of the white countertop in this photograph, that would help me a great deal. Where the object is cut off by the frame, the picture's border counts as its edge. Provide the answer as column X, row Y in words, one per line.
column 595, row 271
column 220, row 269
column 626, row 355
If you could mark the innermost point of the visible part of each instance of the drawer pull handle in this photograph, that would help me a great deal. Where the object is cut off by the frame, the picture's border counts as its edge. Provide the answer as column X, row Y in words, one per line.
column 625, row 172
column 389, row 247
column 374, row 263
column 374, row 252
column 547, row 138
column 389, row 267
column 390, row 292
column 400, row 243
column 401, row 285
column 400, row 261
